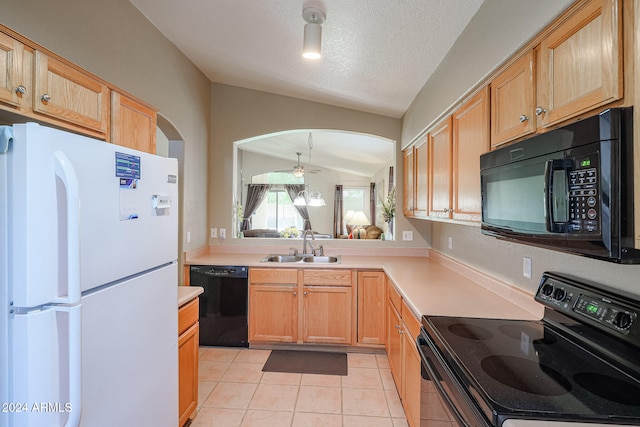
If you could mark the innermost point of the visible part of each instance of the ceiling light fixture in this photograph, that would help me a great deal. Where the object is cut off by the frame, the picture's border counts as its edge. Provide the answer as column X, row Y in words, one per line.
column 315, row 17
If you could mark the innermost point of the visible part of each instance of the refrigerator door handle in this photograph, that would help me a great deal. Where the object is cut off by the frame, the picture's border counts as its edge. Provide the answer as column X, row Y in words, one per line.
column 67, row 174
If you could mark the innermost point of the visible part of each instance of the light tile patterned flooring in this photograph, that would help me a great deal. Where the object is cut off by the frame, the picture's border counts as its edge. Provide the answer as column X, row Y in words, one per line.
column 234, row 392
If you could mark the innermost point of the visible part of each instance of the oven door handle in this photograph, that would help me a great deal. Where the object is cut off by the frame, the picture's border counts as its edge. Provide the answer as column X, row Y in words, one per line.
column 434, row 376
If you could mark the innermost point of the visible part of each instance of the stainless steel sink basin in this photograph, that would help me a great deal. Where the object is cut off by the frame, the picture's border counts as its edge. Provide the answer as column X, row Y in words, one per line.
column 282, row 258
column 301, row 258
column 322, row 259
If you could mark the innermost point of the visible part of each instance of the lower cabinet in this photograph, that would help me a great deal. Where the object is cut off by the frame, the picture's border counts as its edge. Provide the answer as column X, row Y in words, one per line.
column 188, row 333
column 371, row 304
column 404, row 359
column 301, row 305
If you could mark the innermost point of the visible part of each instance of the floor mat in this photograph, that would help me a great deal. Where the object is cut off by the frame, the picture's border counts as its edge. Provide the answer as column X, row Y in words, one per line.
column 306, row 362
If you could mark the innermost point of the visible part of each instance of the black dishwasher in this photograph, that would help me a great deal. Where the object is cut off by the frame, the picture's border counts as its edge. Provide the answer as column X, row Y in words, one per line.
column 223, row 305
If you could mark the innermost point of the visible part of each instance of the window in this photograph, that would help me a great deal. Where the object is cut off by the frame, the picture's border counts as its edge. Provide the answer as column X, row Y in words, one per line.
column 355, row 199
column 277, row 212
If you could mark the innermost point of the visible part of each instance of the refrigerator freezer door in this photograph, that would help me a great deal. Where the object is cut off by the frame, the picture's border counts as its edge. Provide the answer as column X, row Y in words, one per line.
column 129, row 352
column 121, row 229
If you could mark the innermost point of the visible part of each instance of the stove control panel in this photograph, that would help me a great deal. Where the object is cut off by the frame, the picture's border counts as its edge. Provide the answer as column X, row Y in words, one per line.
column 587, row 303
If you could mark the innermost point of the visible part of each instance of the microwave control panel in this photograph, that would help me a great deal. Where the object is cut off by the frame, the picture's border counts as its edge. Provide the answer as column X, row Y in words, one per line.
column 584, row 215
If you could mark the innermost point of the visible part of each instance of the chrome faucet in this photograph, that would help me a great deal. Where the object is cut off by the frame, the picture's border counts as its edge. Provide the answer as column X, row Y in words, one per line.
column 304, row 242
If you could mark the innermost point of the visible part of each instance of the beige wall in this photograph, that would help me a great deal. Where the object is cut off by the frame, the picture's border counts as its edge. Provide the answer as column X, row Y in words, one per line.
column 475, row 54
column 237, row 114
column 114, row 41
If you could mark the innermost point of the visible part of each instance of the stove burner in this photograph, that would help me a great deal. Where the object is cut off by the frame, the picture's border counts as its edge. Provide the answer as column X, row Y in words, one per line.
column 609, row 388
column 470, row 331
column 535, row 334
column 525, row 375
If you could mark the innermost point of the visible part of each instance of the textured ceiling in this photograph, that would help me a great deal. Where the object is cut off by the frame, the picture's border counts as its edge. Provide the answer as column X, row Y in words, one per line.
column 377, row 54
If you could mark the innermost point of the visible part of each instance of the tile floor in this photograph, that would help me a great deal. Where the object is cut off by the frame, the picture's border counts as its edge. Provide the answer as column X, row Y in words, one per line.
column 234, row 392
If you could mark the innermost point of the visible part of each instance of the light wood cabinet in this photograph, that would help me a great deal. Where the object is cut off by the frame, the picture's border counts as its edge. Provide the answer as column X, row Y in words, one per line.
column 273, row 305
column 440, row 176
column 66, row 94
column 581, row 62
column 13, row 88
column 404, row 359
column 408, row 200
column 470, row 140
column 188, row 348
column 301, row 305
column 512, row 101
column 371, row 308
column 133, row 124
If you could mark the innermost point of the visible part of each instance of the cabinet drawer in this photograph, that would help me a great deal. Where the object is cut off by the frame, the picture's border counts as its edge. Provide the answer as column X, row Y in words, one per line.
column 411, row 322
column 327, row 277
column 187, row 315
column 394, row 296
column 273, row 275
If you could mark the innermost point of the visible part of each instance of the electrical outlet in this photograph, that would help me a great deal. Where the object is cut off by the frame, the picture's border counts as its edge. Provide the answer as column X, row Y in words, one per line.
column 214, row 233
column 526, row 267
column 188, row 237
column 450, row 242
column 223, row 233
column 407, row 235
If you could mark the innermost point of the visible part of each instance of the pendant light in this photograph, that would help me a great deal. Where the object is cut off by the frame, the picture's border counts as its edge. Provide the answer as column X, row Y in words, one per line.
column 312, row 31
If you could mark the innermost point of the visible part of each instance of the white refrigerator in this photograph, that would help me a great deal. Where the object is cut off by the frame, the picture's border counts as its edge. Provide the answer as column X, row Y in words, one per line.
column 88, row 282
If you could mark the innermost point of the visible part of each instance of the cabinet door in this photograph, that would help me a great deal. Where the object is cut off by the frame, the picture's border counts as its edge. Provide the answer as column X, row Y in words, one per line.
column 327, row 314
column 421, row 204
column 412, row 375
column 133, row 124
column 11, row 52
column 188, row 373
column 66, row 94
column 273, row 313
column 470, row 139
column 440, row 151
column 394, row 344
column 408, row 201
column 371, row 299
column 512, row 102
column 581, row 62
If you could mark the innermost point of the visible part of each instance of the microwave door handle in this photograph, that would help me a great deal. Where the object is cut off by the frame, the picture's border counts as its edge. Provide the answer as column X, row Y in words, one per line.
column 548, row 195
column 549, row 212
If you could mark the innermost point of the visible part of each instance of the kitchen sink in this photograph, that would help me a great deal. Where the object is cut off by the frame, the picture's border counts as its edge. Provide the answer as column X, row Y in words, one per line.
column 282, row 258
column 301, row 258
column 322, row 259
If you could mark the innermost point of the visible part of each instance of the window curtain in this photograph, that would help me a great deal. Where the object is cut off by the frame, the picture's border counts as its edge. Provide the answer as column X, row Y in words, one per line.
column 337, row 212
column 372, row 202
column 293, row 190
column 255, row 195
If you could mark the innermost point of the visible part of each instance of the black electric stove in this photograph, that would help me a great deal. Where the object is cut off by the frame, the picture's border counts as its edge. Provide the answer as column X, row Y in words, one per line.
column 581, row 362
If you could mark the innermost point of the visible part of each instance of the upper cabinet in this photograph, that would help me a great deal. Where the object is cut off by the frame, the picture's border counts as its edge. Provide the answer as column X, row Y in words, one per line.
column 133, row 124
column 67, row 94
column 581, row 62
column 440, row 151
column 408, row 201
column 41, row 86
column 512, row 101
column 470, row 140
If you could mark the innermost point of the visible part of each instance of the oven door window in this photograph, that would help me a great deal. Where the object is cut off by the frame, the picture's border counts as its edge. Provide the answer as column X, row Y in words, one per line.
column 514, row 197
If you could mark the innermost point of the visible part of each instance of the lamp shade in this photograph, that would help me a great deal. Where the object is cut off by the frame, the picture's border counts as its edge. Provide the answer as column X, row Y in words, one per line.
column 358, row 218
column 312, row 40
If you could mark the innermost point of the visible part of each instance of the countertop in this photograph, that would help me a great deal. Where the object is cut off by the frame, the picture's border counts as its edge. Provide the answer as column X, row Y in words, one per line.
column 430, row 285
column 187, row 293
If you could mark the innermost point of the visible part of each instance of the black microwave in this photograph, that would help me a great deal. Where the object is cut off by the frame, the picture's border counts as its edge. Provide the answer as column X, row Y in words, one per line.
column 568, row 189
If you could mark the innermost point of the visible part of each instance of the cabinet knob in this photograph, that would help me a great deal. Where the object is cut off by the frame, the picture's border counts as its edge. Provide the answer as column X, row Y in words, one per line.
column 540, row 110
column 21, row 90
column 397, row 326
column 295, row 293
column 45, row 97
column 400, row 332
column 305, row 292
column 523, row 118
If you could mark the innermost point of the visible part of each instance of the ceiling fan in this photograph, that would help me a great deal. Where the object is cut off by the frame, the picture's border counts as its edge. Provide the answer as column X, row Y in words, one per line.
column 298, row 170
